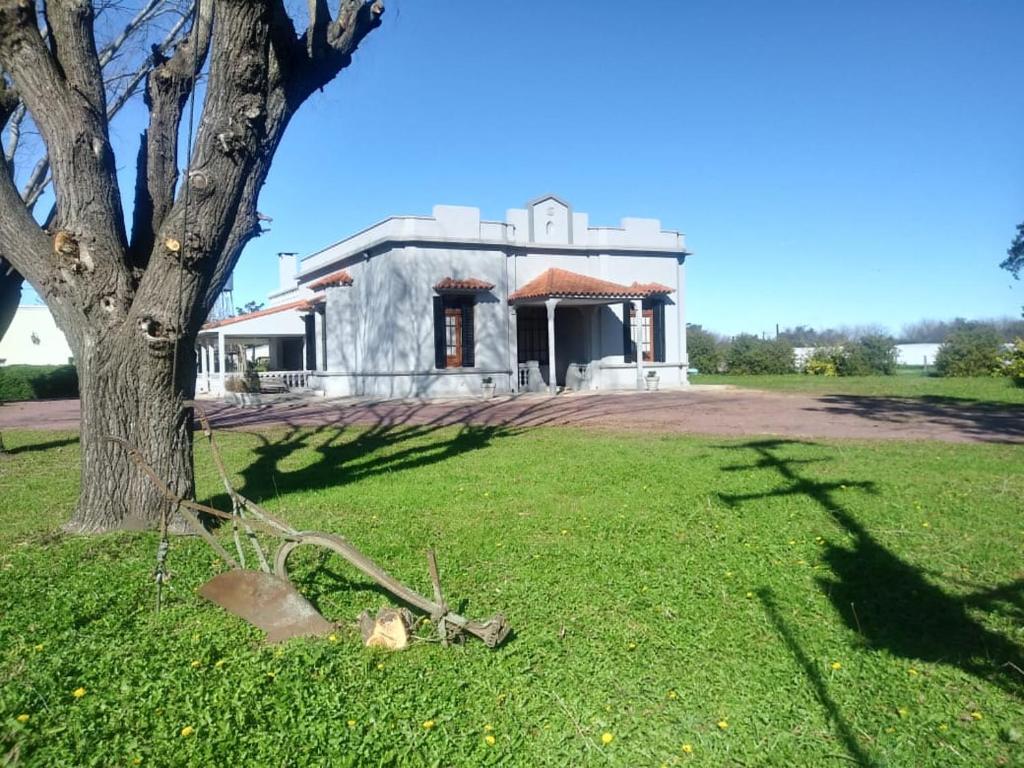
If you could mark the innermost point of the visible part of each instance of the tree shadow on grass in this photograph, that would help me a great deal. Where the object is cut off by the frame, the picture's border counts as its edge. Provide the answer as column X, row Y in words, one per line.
column 35, row 447
column 887, row 601
column 983, row 421
column 813, row 674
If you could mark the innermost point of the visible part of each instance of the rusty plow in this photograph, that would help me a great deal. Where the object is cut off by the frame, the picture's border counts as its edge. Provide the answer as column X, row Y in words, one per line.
column 267, row 598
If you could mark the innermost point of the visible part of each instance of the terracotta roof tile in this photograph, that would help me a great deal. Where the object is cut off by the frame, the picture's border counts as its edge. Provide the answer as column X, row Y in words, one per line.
column 253, row 315
column 463, row 284
column 561, row 283
column 651, row 289
column 341, row 277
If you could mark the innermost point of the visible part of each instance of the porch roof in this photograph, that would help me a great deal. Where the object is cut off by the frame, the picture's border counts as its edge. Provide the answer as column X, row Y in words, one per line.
column 252, row 323
column 557, row 283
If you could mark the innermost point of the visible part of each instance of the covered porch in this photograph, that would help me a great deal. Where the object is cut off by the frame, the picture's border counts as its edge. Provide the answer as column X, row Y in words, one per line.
column 270, row 344
column 580, row 333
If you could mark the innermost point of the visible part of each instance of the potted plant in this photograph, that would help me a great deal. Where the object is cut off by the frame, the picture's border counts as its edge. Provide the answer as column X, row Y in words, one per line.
column 651, row 380
column 242, row 390
column 487, row 382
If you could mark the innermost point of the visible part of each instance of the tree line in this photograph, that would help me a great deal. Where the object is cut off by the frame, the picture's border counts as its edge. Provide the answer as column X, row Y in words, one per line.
column 966, row 349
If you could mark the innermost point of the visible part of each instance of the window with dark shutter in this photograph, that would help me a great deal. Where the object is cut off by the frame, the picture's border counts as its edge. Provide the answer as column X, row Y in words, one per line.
column 454, row 332
column 649, row 330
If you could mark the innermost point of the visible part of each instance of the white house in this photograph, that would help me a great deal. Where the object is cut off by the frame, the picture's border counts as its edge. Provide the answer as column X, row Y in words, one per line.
column 33, row 338
column 438, row 305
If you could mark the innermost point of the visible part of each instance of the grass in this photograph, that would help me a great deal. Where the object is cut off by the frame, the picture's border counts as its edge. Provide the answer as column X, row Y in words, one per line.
column 909, row 383
column 766, row 602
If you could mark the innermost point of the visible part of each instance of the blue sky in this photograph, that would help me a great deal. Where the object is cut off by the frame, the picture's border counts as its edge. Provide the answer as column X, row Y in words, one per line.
column 831, row 162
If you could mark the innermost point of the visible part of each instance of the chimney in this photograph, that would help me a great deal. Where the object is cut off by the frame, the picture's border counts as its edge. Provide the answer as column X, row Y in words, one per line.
column 287, row 269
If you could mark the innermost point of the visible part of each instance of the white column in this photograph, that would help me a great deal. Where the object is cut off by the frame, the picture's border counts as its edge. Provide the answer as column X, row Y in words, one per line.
column 684, row 356
column 513, row 347
column 207, row 364
column 637, row 332
column 552, row 379
column 223, row 362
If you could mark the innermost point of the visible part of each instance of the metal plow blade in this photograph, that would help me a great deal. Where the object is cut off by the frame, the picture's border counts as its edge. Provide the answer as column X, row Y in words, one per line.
column 266, row 602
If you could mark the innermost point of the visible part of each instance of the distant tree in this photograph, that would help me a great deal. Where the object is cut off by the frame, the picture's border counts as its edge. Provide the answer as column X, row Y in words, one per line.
column 704, row 349
column 974, row 350
column 936, row 331
column 747, row 354
column 1014, row 261
column 250, row 306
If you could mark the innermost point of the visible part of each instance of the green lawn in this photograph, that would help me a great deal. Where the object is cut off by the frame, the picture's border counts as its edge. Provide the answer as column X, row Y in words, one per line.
column 910, row 383
column 765, row 602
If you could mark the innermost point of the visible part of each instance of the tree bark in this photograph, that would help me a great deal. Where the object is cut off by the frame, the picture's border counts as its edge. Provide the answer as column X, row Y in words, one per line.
column 127, row 392
column 10, row 296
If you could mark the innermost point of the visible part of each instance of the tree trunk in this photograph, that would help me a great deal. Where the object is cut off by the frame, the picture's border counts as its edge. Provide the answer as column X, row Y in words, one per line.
column 126, row 391
column 10, row 297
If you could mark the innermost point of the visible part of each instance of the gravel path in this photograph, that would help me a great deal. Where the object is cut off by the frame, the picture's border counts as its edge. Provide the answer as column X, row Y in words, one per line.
column 699, row 410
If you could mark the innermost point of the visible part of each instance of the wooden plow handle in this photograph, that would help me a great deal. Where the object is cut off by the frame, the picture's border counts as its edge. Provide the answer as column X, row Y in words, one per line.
column 492, row 631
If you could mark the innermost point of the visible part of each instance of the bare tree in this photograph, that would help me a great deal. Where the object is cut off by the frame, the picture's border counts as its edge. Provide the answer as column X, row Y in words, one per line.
column 131, row 307
column 121, row 75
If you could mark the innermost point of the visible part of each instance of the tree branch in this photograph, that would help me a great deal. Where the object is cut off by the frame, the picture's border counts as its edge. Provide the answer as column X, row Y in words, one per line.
column 22, row 242
column 167, row 89
column 85, row 178
column 70, row 24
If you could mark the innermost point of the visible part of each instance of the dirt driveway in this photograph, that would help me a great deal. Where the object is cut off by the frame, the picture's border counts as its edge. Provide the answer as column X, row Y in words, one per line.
column 700, row 410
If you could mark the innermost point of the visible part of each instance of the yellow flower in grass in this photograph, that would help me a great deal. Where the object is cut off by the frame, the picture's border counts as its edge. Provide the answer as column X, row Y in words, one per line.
column 197, row 664
column 136, row 761
column 976, row 715
column 23, row 718
column 722, row 724
column 488, row 728
column 489, row 739
column 187, row 731
column 688, row 749
column 837, row 665
column 332, row 638
column 912, row 672
column 78, row 693
column 351, row 723
column 39, row 647
column 428, row 724
column 673, row 695
column 607, row 738
column 219, row 663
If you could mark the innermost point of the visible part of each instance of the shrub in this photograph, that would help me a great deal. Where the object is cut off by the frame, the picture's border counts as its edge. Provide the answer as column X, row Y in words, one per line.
column 871, row 355
column 823, row 361
column 37, row 382
column 970, row 351
column 703, row 349
column 1014, row 364
column 748, row 354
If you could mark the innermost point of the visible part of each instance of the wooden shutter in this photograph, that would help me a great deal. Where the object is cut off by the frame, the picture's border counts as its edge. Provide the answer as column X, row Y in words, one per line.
column 439, row 346
column 659, row 332
column 468, row 334
column 310, row 343
column 627, row 335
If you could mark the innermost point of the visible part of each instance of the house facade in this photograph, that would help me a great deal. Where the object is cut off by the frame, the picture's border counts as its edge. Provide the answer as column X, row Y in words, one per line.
column 433, row 306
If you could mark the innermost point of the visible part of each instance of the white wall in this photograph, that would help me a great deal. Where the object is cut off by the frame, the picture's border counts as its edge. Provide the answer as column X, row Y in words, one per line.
column 380, row 330
column 34, row 339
